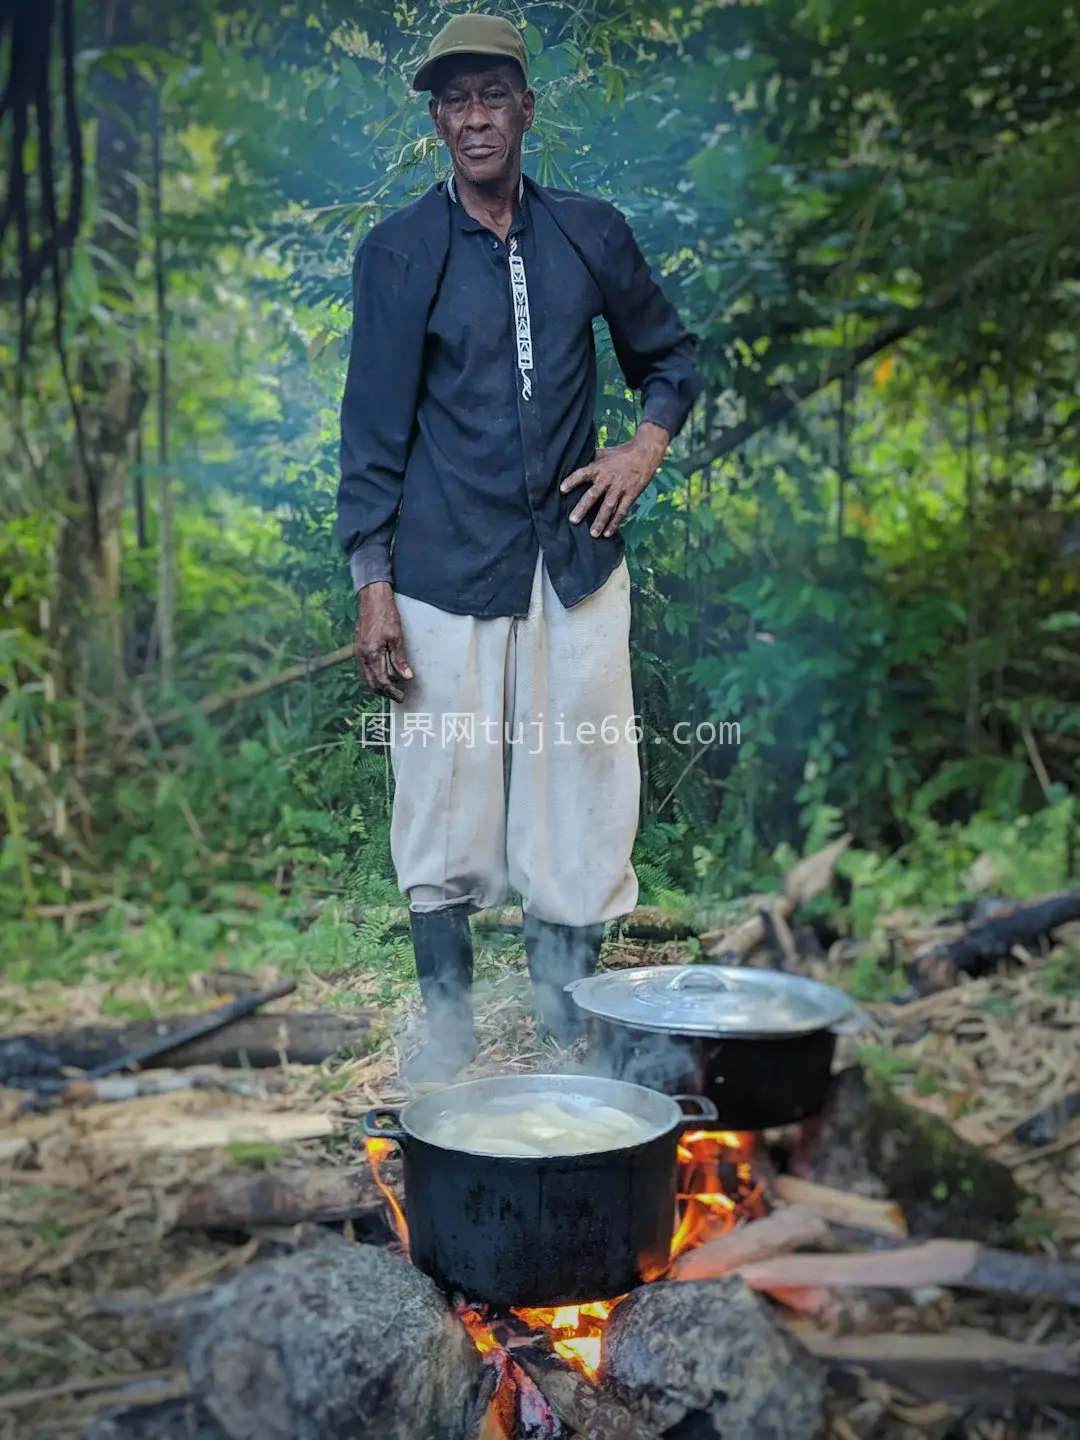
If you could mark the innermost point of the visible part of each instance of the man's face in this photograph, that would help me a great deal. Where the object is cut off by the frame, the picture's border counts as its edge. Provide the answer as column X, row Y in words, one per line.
column 482, row 111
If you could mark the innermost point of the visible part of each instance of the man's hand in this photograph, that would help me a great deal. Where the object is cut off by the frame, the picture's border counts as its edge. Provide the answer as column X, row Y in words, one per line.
column 616, row 478
column 379, row 644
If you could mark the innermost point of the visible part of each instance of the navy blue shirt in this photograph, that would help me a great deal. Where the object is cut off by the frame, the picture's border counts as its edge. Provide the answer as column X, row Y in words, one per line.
column 505, row 410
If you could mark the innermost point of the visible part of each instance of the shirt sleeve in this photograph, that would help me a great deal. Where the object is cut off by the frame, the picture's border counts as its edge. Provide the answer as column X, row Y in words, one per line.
column 656, row 353
column 378, row 410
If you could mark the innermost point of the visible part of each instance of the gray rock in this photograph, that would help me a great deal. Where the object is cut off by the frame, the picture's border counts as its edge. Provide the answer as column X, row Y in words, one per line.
column 707, row 1357
column 336, row 1344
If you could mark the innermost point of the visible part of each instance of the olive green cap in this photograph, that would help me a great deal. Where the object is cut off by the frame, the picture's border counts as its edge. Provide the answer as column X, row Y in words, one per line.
column 473, row 35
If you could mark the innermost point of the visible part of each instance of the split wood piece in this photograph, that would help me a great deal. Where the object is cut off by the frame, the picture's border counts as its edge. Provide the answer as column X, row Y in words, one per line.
column 211, row 1132
column 240, row 1200
column 805, row 881
column 586, row 1408
column 960, row 1264
column 776, row 1234
column 841, row 1207
column 1050, row 1124
column 965, row 1367
column 982, row 945
column 258, row 1041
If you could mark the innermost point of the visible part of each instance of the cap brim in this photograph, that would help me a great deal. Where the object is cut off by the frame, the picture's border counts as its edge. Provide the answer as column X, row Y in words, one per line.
column 423, row 77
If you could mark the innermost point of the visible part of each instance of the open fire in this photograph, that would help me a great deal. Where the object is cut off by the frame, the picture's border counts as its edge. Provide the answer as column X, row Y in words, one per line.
column 717, row 1187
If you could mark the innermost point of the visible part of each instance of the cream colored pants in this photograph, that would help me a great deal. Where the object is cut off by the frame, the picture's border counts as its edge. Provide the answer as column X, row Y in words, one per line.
column 515, row 758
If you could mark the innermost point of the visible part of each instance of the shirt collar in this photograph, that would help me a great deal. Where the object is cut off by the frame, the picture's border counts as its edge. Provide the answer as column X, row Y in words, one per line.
column 451, row 187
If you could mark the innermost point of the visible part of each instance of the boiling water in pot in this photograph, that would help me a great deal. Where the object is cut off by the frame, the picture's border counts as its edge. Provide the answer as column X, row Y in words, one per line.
column 563, row 1126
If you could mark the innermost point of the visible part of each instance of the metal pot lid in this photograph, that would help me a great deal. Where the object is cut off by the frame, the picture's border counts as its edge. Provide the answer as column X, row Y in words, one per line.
column 712, row 1000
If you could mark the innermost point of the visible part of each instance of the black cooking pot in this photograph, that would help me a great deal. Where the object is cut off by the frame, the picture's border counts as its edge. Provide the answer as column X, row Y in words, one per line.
column 758, row 1043
column 540, row 1230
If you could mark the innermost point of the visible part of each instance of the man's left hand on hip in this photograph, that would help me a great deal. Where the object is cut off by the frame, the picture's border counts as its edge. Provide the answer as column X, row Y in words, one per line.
column 616, row 478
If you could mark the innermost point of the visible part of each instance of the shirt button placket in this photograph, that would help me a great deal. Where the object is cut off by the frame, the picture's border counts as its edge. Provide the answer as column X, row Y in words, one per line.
column 529, row 421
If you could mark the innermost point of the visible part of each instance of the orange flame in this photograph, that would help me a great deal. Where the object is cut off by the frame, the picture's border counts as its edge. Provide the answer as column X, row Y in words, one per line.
column 482, row 1337
column 577, row 1331
column 710, row 1207
column 377, row 1151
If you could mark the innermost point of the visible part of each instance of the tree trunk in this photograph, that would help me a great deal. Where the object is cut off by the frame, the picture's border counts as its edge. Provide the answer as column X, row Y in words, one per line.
column 166, row 598
column 86, row 614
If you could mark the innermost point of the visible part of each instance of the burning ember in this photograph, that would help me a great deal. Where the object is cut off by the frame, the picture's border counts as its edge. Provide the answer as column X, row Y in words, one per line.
column 576, row 1331
column 717, row 1188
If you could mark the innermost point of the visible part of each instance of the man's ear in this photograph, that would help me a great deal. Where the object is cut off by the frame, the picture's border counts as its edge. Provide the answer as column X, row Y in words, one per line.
column 528, row 104
column 433, row 111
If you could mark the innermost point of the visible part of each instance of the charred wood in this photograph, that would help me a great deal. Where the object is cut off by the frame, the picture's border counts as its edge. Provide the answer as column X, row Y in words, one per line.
column 1050, row 1124
column 984, row 943
column 586, row 1408
column 259, row 1041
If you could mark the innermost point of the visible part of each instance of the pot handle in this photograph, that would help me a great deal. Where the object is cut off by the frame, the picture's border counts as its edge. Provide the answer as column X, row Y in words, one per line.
column 377, row 1130
column 702, row 980
column 707, row 1112
column 854, row 1023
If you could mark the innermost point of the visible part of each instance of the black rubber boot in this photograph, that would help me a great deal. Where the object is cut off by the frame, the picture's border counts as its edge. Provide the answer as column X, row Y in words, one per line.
column 558, row 954
column 442, row 945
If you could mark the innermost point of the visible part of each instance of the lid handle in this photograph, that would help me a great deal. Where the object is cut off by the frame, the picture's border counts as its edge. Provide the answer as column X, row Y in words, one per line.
column 701, row 980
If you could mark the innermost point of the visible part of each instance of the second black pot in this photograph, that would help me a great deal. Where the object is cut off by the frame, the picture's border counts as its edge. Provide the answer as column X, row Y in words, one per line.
column 758, row 1044
column 545, row 1230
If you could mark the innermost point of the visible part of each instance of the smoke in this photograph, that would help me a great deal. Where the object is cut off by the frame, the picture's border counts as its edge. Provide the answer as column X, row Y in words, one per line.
column 502, row 1006
column 657, row 1061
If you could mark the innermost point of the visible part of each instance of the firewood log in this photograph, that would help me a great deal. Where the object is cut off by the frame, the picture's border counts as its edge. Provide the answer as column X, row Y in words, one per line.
column 587, row 1409
column 964, row 1367
column 243, row 1200
column 258, row 1041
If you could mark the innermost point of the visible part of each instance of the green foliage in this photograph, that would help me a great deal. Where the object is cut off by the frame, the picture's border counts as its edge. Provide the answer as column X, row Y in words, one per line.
column 257, row 1154
column 941, row 865
column 1062, row 974
column 872, row 981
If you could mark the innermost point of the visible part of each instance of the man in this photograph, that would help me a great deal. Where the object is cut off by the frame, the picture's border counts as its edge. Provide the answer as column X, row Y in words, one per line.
column 499, row 629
